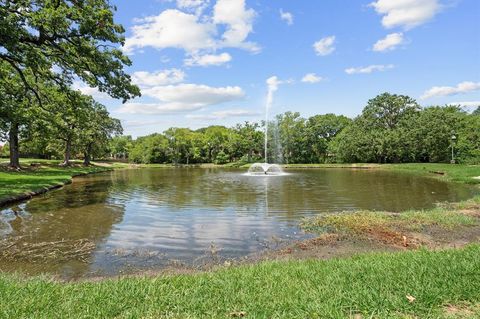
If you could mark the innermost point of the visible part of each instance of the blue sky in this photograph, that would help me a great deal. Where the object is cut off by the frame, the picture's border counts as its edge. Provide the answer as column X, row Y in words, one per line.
column 204, row 62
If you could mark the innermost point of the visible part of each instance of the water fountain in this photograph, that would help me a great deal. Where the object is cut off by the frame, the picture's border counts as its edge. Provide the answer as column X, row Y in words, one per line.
column 266, row 169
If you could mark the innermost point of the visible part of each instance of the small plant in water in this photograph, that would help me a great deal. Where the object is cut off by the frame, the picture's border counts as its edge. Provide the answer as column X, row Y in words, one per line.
column 214, row 249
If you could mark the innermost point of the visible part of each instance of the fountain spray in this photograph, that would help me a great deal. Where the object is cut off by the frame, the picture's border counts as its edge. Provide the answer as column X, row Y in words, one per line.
column 265, row 169
column 272, row 83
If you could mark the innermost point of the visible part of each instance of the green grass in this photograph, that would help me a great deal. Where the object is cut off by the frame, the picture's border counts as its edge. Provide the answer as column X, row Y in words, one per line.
column 453, row 173
column 445, row 216
column 372, row 285
column 30, row 179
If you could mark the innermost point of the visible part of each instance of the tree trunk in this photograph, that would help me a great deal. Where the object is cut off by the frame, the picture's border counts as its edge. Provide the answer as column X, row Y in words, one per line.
column 13, row 144
column 68, row 151
column 86, row 159
column 86, row 155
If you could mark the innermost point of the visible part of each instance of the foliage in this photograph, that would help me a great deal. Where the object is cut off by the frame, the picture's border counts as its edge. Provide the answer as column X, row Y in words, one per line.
column 476, row 111
column 45, row 46
column 221, row 158
column 149, row 149
column 119, row 146
column 78, row 38
column 391, row 129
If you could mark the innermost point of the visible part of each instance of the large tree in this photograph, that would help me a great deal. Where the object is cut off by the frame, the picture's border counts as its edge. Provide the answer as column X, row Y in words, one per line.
column 75, row 38
column 320, row 130
column 377, row 135
column 15, row 113
column 291, row 136
column 96, row 131
column 60, row 41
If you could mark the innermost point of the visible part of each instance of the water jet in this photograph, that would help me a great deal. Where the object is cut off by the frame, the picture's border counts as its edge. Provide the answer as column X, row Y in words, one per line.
column 265, row 169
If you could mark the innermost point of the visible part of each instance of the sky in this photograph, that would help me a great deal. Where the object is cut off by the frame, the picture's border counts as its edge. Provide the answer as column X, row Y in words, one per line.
column 217, row 62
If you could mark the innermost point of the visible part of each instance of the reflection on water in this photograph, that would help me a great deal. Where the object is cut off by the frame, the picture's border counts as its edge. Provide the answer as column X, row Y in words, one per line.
column 149, row 217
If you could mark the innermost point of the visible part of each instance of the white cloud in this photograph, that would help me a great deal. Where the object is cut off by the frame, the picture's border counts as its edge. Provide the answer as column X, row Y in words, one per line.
column 87, row 90
column 191, row 4
column 183, row 98
column 369, row 69
column 325, row 46
column 140, row 123
column 239, row 22
column 466, row 103
column 286, row 16
column 389, row 43
column 223, row 114
column 463, row 87
column 311, row 78
column 406, row 13
column 148, row 79
column 171, row 29
column 196, row 6
column 208, row 59
column 229, row 25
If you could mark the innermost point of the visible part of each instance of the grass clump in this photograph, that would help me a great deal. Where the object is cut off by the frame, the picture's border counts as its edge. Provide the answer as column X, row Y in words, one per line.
column 368, row 285
column 362, row 221
column 401, row 229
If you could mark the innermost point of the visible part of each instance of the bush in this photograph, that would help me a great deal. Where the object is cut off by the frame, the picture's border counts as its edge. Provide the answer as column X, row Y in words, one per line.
column 221, row 158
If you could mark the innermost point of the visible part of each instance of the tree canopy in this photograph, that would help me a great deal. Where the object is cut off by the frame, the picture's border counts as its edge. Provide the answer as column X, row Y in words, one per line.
column 46, row 45
column 76, row 38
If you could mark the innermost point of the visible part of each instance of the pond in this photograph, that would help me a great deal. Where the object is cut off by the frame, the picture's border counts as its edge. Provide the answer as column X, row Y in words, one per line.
column 137, row 219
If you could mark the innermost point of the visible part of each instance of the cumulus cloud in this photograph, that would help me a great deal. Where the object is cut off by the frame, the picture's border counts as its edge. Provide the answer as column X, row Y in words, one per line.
column 325, row 46
column 198, row 34
column 311, row 78
column 463, row 87
column 223, row 114
column 148, row 79
column 171, row 29
column 182, row 98
column 190, row 3
column 238, row 20
column 406, row 13
column 208, row 59
column 369, row 69
column 140, row 123
column 389, row 43
column 286, row 16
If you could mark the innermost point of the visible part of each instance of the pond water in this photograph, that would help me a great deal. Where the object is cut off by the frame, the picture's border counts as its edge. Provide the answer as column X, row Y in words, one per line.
column 130, row 220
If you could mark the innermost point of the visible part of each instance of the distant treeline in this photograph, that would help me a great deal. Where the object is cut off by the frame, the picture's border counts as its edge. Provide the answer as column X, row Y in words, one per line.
column 390, row 129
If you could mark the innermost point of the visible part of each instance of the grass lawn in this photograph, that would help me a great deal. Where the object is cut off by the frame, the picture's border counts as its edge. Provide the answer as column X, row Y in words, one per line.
column 369, row 286
column 454, row 173
column 30, row 179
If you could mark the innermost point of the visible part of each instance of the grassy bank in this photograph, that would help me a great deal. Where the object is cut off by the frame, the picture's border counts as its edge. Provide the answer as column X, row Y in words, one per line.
column 457, row 223
column 442, row 283
column 42, row 175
